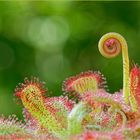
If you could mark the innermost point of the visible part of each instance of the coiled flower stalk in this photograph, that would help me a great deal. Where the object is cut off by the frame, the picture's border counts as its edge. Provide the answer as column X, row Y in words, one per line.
column 110, row 45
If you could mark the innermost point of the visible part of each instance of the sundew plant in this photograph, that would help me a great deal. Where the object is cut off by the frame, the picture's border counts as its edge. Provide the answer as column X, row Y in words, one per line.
column 85, row 110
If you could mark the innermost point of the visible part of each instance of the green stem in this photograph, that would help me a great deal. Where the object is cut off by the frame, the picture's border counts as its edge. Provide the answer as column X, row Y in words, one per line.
column 115, row 43
column 75, row 118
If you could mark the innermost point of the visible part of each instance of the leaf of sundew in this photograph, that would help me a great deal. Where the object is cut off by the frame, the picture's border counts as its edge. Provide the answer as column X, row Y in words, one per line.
column 11, row 126
column 84, row 82
column 102, row 100
column 135, row 87
column 39, row 111
column 111, row 102
column 33, row 100
column 60, row 107
column 76, row 117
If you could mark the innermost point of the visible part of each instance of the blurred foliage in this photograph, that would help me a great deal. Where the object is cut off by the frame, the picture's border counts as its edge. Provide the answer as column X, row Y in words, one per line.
column 54, row 40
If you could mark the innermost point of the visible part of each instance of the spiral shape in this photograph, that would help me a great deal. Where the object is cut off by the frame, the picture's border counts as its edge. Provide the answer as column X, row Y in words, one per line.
column 110, row 45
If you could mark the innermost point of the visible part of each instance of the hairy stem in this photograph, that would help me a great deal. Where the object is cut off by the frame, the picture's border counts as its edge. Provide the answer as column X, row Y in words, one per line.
column 109, row 46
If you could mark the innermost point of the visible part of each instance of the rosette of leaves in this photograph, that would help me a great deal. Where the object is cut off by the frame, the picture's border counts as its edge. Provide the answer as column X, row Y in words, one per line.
column 85, row 110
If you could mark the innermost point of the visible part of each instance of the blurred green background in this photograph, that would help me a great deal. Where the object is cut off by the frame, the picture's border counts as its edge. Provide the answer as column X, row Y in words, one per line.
column 55, row 40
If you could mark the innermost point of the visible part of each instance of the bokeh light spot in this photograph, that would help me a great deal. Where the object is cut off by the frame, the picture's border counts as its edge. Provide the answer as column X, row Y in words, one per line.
column 48, row 33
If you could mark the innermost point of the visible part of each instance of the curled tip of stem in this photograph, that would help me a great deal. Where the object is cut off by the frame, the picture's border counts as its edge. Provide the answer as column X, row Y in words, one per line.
column 110, row 44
